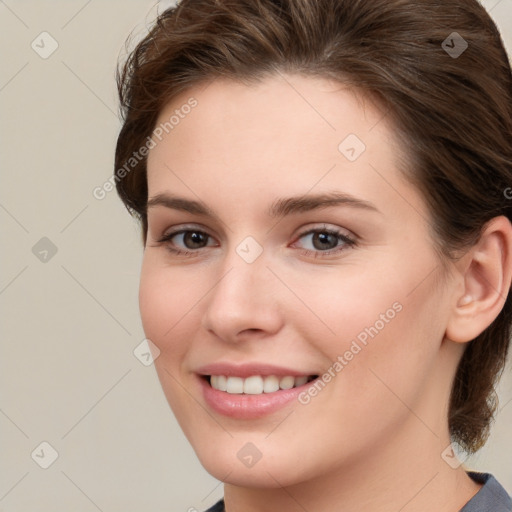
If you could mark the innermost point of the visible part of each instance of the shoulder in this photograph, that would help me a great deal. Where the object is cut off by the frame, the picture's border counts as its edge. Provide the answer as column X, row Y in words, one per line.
column 492, row 497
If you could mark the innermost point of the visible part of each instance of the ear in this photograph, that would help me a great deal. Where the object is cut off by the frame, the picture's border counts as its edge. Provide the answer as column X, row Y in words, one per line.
column 486, row 270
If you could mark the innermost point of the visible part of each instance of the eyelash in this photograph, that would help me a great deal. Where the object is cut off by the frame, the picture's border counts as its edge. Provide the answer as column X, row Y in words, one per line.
column 347, row 241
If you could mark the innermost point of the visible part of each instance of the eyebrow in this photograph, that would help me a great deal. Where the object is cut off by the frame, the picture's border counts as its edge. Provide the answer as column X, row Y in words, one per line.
column 280, row 207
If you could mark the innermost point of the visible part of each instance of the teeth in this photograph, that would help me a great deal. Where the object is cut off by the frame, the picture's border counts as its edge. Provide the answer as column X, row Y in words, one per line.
column 235, row 385
column 253, row 385
column 300, row 381
column 219, row 382
column 270, row 384
column 256, row 384
column 287, row 382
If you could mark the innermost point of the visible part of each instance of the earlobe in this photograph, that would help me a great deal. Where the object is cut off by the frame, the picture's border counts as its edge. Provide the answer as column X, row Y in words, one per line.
column 487, row 275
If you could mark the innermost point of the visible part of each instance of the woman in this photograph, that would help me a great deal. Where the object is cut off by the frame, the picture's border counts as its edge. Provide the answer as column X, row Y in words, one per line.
column 322, row 189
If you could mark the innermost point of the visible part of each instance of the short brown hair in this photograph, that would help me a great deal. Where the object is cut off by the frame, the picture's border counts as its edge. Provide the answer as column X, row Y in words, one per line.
column 453, row 113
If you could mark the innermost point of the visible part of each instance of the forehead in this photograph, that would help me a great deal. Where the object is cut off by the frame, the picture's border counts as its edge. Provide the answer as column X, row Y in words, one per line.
column 287, row 134
column 287, row 105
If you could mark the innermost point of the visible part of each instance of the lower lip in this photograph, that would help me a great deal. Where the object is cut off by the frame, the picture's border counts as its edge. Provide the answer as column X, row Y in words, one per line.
column 248, row 407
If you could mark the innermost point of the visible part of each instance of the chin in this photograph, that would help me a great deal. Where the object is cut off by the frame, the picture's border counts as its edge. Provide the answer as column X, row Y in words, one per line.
column 258, row 476
column 226, row 463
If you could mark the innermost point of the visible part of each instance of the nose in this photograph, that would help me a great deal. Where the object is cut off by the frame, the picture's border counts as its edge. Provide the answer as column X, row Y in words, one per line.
column 244, row 301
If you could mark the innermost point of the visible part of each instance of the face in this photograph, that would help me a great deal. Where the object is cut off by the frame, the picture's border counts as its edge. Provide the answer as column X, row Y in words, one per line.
column 289, row 282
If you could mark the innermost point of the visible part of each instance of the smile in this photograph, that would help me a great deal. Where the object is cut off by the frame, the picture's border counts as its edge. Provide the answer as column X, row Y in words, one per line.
column 257, row 384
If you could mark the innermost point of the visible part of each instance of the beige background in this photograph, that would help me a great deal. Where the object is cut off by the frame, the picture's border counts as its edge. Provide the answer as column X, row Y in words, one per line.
column 70, row 324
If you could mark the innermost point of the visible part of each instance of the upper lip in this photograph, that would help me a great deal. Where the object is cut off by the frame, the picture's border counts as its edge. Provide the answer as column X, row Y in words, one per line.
column 249, row 369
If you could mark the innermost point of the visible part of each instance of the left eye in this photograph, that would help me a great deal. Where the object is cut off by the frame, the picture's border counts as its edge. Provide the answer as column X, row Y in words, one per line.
column 325, row 240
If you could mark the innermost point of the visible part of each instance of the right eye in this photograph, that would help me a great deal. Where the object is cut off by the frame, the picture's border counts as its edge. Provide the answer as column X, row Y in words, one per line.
column 186, row 241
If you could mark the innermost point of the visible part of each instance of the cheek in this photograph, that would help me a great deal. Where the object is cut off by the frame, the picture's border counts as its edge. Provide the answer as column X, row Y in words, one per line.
column 397, row 356
column 166, row 297
column 343, row 306
column 166, row 301
column 154, row 299
column 387, row 331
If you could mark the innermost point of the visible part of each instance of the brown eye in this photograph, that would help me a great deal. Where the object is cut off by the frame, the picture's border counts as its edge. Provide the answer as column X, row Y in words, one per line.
column 194, row 239
column 318, row 241
column 188, row 241
column 323, row 241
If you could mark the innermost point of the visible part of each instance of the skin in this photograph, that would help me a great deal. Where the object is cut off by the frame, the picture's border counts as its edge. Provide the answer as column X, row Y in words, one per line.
column 372, row 438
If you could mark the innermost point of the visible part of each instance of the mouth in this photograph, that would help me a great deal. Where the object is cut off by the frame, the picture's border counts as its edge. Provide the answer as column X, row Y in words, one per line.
column 256, row 384
column 251, row 390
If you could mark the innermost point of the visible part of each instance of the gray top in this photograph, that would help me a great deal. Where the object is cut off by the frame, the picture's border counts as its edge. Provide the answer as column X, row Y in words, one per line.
column 492, row 497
